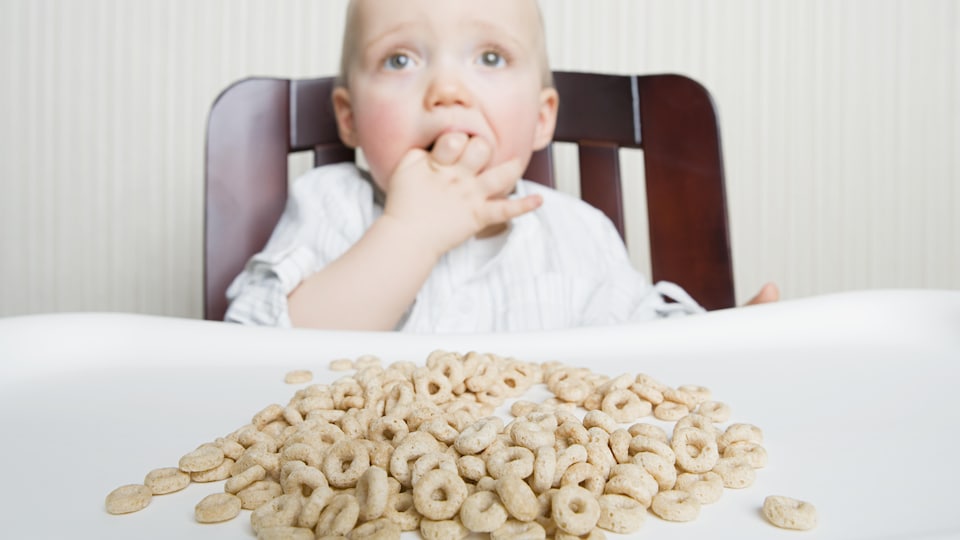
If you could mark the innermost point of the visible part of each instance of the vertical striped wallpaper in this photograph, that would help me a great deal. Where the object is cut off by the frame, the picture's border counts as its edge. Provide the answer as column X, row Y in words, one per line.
column 841, row 127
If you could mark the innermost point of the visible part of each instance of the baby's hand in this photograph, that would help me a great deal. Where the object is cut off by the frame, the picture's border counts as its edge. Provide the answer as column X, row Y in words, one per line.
column 449, row 194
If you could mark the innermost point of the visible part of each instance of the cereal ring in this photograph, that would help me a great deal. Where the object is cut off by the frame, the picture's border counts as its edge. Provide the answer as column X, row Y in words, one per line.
column 478, row 436
column 373, row 493
column 601, row 420
column 345, row 462
column 695, row 450
column 600, row 456
column 519, row 530
column 511, row 461
column 788, row 513
column 575, row 510
column 129, row 498
column 598, row 435
column 268, row 414
column 303, row 481
column 407, row 452
column 544, row 469
column 439, row 494
column 366, row 361
column 432, row 461
column 620, row 514
column 445, row 529
column 441, row 429
column 285, row 533
column 662, row 470
column 303, row 452
column 699, row 393
column 755, row 454
column 400, row 510
column 291, row 415
column 531, row 435
column 624, row 406
column 391, row 429
column 620, row 445
column 166, row 480
column 432, row 385
column 649, row 430
column 217, row 507
column 706, row 487
column 595, row 534
column 313, row 506
column 482, row 512
column 584, row 475
column 231, row 449
column 380, row 454
column 298, row 376
column 571, row 432
column 517, row 497
column 347, row 394
column 279, row 512
column 675, row 505
column 739, row 433
column 339, row 517
column 736, row 472
column 716, row 411
column 471, row 467
column 566, row 459
column 642, row 444
column 245, row 479
column 341, row 364
column 204, row 458
column 259, row 493
column 647, row 393
column 670, row 411
column 643, row 378
column 379, row 529
column 220, row 472
column 632, row 481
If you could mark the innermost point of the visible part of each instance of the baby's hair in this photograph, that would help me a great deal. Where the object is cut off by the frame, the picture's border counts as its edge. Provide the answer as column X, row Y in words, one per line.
column 348, row 50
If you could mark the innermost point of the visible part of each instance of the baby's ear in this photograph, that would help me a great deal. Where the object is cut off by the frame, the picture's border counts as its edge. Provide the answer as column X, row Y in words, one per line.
column 343, row 110
column 546, row 118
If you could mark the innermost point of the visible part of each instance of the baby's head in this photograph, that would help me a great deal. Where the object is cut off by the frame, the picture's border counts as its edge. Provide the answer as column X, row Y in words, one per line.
column 412, row 70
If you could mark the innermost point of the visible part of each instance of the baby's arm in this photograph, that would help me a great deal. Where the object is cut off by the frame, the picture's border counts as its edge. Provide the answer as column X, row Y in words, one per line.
column 435, row 201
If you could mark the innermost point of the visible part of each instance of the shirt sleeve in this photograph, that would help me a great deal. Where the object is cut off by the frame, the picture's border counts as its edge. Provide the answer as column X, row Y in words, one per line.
column 312, row 231
column 624, row 294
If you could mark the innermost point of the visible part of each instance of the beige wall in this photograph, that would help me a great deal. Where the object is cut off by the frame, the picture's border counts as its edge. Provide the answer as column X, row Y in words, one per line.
column 841, row 126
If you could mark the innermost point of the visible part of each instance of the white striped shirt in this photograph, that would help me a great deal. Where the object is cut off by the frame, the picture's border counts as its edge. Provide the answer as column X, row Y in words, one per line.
column 560, row 266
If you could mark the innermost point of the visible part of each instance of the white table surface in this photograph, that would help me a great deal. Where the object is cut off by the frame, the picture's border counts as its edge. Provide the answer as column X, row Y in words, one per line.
column 857, row 394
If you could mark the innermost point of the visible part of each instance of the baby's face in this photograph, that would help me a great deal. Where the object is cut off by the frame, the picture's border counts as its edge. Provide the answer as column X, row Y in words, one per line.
column 422, row 68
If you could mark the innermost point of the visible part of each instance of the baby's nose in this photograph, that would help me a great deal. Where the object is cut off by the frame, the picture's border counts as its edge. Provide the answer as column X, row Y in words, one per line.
column 447, row 89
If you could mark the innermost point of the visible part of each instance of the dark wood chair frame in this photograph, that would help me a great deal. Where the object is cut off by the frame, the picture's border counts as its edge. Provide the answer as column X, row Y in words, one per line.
column 256, row 122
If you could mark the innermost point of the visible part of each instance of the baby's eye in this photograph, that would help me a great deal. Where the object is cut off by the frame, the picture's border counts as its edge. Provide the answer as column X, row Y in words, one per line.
column 398, row 61
column 492, row 59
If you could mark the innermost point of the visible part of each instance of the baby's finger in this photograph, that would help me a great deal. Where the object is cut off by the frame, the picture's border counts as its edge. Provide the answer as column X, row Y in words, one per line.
column 502, row 179
column 448, row 148
column 476, row 155
column 496, row 211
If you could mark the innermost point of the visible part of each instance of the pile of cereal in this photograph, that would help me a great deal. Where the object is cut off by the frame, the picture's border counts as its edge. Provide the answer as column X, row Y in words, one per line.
column 419, row 448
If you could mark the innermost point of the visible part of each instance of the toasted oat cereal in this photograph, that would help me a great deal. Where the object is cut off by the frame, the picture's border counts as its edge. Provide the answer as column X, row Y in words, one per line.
column 166, row 480
column 217, row 507
column 298, row 376
column 204, row 458
column 404, row 447
column 129, row 498
column 788, row 513
column 342, row 364
column 285, row 533
column 675, row 505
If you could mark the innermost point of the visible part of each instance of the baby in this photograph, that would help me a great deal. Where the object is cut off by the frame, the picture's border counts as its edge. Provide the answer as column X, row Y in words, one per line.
column 447, row 101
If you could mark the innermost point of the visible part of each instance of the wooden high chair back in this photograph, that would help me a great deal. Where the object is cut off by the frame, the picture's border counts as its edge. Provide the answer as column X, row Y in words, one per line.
column 255, row 123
